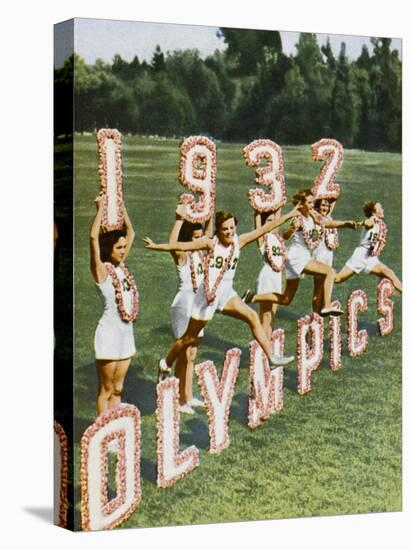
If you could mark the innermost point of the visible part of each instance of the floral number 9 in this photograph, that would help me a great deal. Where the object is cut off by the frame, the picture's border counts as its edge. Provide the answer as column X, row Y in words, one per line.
column 324, row 185
column 270, row 175
column 198, row 173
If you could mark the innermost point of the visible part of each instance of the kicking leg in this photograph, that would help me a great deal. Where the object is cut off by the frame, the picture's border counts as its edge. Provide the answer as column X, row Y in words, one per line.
column 344, row 274
column 188, row 339
column 314, row 267
column 317, row 300
column 281, row 299
column 236, row 308
column 381, row 270
column 267, row 311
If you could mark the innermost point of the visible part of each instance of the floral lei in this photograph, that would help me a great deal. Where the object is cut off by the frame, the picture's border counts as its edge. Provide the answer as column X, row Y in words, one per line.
column 119, row 294
column 195, row 284
column 331, row 236
column 210, row 293
column 310, row 243
column 378, row 246
column 269, row 255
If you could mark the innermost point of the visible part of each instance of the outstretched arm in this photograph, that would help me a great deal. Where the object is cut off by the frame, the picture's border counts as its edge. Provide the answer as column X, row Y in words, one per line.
column 334, row 224
column 247, row 238
column 97, row 267
column 199, row 244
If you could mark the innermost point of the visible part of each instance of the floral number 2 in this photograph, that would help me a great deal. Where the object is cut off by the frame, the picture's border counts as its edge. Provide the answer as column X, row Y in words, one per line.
column 324, row 185
column 270, row 175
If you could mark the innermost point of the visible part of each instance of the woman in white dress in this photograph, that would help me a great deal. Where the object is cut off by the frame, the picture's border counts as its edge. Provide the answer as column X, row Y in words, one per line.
column 216, row 291
column 189, row 266
column 114, row 339
column 329, row 243
column 272, row 247
column 306, row 232
column 366, row 256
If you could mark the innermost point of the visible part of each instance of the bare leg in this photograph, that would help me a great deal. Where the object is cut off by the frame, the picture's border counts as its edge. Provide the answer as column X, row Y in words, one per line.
column 314, row 267
column 188, row 339
column 105, row 373
column 118, row 380
column 344, row 274
column 317, row 300
column 267, row 312
column 184, row 372
column 281, row 299
column 381, row 270
column 239, row 310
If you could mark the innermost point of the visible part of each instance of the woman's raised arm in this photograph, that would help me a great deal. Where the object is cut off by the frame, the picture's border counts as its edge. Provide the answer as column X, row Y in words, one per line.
column 97, row 267
column 247, row 238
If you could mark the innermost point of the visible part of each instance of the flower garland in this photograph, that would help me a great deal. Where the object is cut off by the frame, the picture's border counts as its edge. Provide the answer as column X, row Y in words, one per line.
column 202, row 180
column 379, row 244
column 210, row 293
column 64, row 474
column 270, row 175
column 218, row 395
column 357, row 340
column 385, row 290
column 119, row 293
column 129, row 460
column 102, row 135
column 195, row 284
column 307, row 235
column 335, row 339
column 309, row 357
column 324, row 185
column 171, row 468
column 331, row 235
column 269, row 255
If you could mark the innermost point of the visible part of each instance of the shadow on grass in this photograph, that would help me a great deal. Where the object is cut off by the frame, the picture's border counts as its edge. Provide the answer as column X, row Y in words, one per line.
column 148, row 470
column 198, row 433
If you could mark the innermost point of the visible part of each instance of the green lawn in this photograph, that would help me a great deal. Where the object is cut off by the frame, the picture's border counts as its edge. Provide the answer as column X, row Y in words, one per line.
column 336, row 450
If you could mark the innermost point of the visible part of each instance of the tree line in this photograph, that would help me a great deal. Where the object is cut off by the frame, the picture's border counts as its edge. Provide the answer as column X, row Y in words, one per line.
column 250, row 90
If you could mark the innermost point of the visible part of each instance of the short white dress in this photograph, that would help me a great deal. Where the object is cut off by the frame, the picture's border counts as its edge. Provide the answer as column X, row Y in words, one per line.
column 114, row 338
column 269, row 280
column 297, row 253
column 361, row 259
column 203, row 310
column 181, row 308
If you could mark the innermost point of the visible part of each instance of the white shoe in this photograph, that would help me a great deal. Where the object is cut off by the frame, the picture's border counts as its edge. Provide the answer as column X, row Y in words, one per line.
column 194, row 402
column 334, row 311
column 163, row 371
column 277, row 360
column 186, row 409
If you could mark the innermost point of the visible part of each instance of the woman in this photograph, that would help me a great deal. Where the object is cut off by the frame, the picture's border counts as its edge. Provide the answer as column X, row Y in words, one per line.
column 366, row 256
column 272, row 247
column 330, row 241
column 216, row 291
column 114, row 340
column 189, row 266
column 306, row 232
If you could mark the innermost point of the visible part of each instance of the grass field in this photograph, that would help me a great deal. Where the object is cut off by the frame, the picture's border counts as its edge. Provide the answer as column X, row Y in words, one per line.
column 336, row 450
